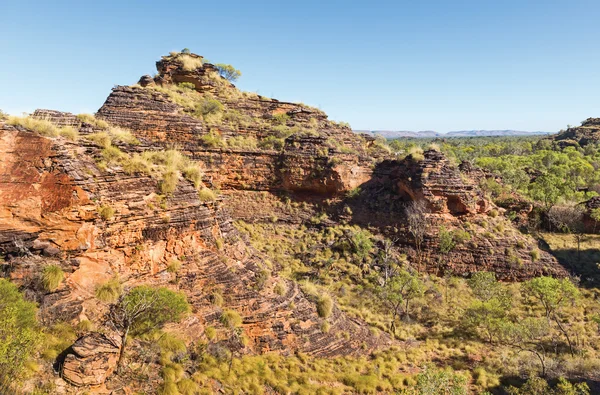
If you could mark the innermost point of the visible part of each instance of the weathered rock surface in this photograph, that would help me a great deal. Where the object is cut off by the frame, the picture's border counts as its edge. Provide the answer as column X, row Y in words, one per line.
column 455, row 202
column 50, row 193
column 91, row 360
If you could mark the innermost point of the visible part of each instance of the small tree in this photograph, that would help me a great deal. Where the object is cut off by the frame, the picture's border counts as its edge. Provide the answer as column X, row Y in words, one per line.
column 447, row 244
column 569, row 219
column 143, row 309
column 553, row 294
column 399, row 292
column 19, row 333
column 228, row 72
column 417, row 224
column 186, row 51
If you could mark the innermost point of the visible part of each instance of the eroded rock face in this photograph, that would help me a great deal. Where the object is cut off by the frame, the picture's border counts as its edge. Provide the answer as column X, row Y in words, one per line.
column 435, row 181
column 50, row 196
column 91, row 360
column 454, row 201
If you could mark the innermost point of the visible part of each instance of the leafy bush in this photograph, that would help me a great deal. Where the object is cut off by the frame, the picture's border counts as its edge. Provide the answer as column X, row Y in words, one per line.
column 52, row 276
column 19, row 332
column 228, row 72
column 112, row 154
column 151, row 307
column 209, row 106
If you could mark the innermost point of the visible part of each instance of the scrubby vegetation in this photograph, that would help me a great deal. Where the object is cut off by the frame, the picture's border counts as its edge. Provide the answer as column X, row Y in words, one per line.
column 44, row 127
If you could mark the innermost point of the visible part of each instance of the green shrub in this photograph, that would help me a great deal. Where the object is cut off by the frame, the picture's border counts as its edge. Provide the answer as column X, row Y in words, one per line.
column 110, row 291
column 173, row 266
column 52, row 276
column 271, row 142
column 209, row 106
column 19, row 332
column 187, row 85
column 325, row 327
column 106, row 212
column 206, row 195
column 210, row 332
column 281, row 118
column 231, row 319
column 194, row 174
column 324, row 306
column 212, row 140
column 228, row 72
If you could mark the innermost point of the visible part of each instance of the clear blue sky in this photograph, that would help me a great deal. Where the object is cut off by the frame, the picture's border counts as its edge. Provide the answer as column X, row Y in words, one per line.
column 401, row 65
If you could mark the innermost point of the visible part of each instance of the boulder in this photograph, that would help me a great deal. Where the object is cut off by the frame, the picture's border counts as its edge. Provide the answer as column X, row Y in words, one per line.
column 91, row 359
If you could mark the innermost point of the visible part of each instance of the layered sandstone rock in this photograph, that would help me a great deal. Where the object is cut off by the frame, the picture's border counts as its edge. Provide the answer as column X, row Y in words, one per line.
column 50, row 194
column 454, row 201
column 91, row 360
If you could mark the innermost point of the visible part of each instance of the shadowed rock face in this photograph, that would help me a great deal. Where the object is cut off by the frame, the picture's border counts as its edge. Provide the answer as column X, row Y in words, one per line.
column 454, row 201
column 435, row 181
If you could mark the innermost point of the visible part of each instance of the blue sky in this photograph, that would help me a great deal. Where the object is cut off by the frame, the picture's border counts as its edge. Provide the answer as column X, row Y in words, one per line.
column 400, row 65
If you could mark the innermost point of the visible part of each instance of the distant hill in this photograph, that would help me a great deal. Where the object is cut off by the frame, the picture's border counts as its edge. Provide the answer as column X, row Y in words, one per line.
column 392, row 134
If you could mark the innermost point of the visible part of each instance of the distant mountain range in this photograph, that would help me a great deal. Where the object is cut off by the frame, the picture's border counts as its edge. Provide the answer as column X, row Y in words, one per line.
column 394, row 134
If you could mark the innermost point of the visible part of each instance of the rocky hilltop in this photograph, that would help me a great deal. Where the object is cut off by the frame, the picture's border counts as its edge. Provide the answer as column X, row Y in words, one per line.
column 147, row 192
column 587, row 133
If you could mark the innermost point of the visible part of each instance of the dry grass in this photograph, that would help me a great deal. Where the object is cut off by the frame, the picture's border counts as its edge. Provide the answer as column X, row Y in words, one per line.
column 190, row 63
column 44, row 127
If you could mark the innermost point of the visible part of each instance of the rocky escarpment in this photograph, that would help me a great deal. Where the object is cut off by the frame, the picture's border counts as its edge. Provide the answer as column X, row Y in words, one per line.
column 52, row 196
column 453, row 202
column 587, row 133
column 286, row 146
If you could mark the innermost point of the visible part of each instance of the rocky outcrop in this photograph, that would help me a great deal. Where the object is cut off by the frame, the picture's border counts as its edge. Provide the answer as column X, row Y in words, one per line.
column 455, row 202
column 51, row 193
column 590, row 216
column 91, row 360
column 587, row 133
column 437, row 182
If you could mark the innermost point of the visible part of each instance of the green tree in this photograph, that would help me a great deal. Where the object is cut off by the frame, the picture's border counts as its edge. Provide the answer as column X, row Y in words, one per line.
column 228, row 72
column 398, row 293
column 143, row 309
column 19, row 333
column 553, row 295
